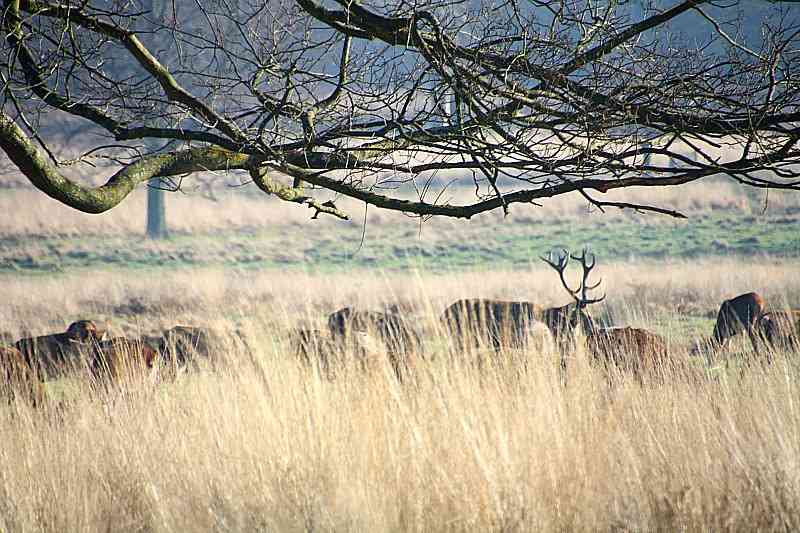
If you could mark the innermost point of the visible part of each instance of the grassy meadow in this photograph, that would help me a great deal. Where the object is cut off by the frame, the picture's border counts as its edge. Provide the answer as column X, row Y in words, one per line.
column 242, row 230
column 255, row 441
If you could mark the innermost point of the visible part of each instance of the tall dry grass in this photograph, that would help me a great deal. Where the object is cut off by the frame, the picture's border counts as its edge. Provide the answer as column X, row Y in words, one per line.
column 273, row 447
column 259, row 442
column 636, row 292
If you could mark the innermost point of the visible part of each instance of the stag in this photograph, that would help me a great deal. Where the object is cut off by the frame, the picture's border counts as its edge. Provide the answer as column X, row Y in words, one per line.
column 562, row 321
column 505, row 323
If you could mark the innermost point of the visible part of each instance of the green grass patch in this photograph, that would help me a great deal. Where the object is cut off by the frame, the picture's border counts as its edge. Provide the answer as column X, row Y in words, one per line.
column 329, row 248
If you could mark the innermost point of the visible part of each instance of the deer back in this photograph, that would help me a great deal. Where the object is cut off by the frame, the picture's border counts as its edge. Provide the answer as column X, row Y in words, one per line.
column 629, row 349
column 19, row 379
column 736, row 315
column 53, row 355
column 348, row 320
column 497, row 321
column 119, row 356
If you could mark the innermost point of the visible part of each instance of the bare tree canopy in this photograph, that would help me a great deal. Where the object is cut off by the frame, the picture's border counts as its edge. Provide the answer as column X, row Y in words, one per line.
column 386, row 102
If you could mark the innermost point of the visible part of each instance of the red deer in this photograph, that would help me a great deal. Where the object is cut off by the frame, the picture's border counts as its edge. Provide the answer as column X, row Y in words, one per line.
column 391, row 327
column 502, row 323
column 117, row 358
column 183, row 344
column 631, row 350
column 346, row 321
column 395, row 332
column 315, row 348
column 562, row 321
column 19, row 379
column 781, row 329
column 53, row 355
column 494, row 323
column 736, row 315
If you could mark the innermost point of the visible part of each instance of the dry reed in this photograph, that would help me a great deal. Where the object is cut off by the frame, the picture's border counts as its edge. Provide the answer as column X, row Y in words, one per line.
column 260, row 442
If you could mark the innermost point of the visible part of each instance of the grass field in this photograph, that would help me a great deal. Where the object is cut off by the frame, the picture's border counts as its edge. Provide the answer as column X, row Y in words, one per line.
column 258, row 442
column 244, row 231
column 398, row 248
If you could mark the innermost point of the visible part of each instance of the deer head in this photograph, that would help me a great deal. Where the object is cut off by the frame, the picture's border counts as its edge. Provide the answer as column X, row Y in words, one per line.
column 563, row 317
column 84, row 331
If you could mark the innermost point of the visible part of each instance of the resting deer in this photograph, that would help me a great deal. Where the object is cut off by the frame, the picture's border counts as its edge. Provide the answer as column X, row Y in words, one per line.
column 392, row 327
column 505, row 323
column 495, row 323
column 317, row 349
column 183, row 345
column 119, row 358
column 401, row 340
column 52, row 356
column 633, row 350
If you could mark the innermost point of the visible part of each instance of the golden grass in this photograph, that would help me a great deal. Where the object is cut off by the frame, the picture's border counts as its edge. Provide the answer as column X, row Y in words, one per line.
column 261, row 443
column 637, row 292
column 500, row 449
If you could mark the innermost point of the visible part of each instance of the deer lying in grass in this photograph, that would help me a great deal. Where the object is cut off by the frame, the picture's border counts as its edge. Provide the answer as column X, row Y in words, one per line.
column 115, row 359
column 52, row 356
column 502, row 324
column 394, row 330
column 631, row 350
column 315, row 349
column 494, row 323
column 401, row 340
column 183, row 345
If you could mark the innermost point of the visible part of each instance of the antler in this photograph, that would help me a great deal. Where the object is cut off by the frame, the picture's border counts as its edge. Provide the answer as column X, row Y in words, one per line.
column 560, row 266
column 583, row 301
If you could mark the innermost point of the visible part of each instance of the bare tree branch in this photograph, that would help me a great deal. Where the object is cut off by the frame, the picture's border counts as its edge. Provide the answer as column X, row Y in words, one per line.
column 518, row 101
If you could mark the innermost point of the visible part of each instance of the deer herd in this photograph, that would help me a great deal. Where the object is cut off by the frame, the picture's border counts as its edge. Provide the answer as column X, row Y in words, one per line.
column 498, row 324
column 83, row 349
column 468, row 323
